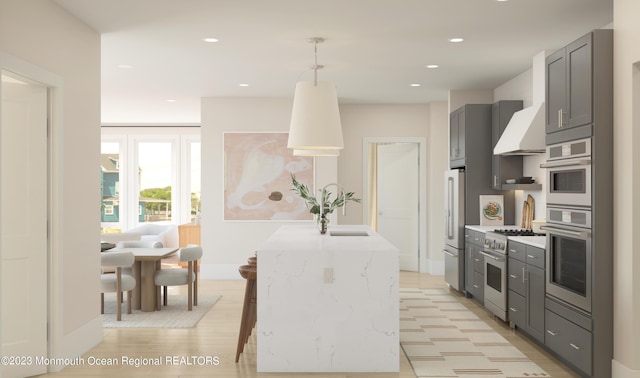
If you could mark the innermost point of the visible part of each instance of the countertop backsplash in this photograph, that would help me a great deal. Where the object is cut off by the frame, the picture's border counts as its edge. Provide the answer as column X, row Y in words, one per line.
column 531, row 167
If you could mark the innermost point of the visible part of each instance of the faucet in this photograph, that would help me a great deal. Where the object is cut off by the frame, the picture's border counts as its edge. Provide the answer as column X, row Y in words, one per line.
column 323, row 193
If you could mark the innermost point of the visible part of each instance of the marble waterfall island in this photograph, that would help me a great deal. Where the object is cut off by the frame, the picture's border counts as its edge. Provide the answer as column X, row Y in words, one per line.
column 328, row 303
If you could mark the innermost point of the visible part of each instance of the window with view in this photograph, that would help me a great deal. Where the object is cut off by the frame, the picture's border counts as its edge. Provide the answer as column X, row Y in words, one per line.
column 149, row 174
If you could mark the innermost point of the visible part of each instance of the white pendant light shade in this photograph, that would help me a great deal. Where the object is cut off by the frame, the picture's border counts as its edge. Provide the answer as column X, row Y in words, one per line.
column 316, row 152
column 315, row 118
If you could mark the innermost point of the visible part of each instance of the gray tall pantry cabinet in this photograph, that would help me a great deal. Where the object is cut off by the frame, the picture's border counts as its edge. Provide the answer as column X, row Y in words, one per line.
column 579, row 102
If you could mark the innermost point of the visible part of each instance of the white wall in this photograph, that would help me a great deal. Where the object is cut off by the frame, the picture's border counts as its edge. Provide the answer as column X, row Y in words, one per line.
column 43, row 34
column 518, row 88
column 521, row 88
column 392, row 121
column 224, row 253
column 626, row 34
column 228, row 244
column 438, row 152
column 458, row 98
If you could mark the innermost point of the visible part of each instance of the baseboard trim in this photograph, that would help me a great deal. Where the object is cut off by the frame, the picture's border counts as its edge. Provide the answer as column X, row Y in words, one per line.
column 220, row 272
column 435, row 267
column 74, row 344
column 230, row 271
column 618, row 370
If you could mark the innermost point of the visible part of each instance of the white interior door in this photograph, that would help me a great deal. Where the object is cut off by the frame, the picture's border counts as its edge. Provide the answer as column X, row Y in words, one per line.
column 398, row 196
column 23, row 225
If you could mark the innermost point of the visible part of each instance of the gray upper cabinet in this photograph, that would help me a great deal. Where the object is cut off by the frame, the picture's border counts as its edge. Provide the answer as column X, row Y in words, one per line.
column 503, row 167
column 572, row 84
column 569, row 86
column 457, row 149
column 469, row 134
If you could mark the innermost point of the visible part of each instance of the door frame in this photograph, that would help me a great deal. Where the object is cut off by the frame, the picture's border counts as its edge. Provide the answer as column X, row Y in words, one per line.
column 54, row 83
column 422, row 188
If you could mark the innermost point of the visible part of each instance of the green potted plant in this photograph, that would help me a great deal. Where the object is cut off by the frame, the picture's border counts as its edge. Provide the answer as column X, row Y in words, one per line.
column 328, row 204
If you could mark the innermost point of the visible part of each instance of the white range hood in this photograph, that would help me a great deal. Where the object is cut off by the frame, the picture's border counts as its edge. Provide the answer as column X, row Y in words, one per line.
column 525, row 132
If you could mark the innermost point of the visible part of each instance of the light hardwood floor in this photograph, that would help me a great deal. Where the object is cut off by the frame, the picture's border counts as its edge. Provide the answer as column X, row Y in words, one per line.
column 216, row 336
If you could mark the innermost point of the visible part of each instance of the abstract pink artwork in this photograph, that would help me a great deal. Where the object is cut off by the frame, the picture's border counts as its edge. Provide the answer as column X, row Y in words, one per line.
column 258, row 168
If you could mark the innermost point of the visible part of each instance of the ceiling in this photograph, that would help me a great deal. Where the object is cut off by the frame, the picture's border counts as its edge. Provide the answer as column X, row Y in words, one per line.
column 373, row 50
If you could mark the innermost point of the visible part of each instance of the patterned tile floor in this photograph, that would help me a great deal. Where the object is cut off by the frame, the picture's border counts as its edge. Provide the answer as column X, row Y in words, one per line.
column 442, row 338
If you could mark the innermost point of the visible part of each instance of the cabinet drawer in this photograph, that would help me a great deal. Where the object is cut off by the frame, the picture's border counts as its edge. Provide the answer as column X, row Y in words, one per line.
column 570, row 341
column 468, row 235
column 515, row 276
column 535, row 257
column 478, row 261
column 478, row 287
column 517, row 309
column 517, row 251
column 477, row 238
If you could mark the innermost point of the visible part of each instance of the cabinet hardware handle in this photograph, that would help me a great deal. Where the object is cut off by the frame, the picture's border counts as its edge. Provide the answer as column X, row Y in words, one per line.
column 477, row 260
column 560, row 118
column 513, row 276
column 531, row 257
column 495, row 180
column 574, row 346
column 562, row 232
column 570, row 163
column 523, row 275
column 513, row 309
column 512, row 251
column 552, row 333
column 499, row 259
column 476, row 286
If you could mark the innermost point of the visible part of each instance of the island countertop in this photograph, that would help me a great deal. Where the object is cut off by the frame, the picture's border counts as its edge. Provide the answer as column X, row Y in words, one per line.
column 327, row 303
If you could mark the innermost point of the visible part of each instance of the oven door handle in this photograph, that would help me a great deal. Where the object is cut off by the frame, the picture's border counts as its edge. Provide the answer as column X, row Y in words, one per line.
column 449, row 253
column 566, row 163
column 500, row 259
column 562, row 232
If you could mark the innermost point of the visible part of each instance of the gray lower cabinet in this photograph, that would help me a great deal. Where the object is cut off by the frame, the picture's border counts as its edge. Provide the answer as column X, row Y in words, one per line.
column 474, row 265
column 570, row 341
column 478, row 273
column 526, row 282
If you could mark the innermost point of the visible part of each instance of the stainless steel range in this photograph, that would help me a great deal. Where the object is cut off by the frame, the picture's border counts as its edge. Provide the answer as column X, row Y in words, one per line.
column 495, row 273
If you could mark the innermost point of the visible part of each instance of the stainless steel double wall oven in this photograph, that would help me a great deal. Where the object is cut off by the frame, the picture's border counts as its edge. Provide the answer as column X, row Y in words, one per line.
column 569, row 248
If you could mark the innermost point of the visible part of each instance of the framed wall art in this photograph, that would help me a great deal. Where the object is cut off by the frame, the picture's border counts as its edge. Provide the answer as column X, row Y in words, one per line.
column 258, row 168
column 492, row 210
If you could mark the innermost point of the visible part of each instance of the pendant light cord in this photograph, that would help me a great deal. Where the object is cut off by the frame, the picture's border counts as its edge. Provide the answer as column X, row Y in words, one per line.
column 315, row 65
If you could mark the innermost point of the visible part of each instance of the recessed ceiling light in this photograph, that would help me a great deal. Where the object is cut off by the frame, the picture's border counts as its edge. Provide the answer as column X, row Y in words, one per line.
column 414, row 85
column 456, row 40
column 432, row 66
column 125, row 66
column 171, row 100
column 210, row 40
column 243, row 85
column 501, row 1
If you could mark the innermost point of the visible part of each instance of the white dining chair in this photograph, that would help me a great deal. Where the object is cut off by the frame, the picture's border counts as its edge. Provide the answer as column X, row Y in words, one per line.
column 181, row 276
column 118, row 282
column 139, row 244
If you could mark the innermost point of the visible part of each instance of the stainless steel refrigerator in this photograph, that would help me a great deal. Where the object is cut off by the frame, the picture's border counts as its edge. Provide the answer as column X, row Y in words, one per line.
column 454, row 229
